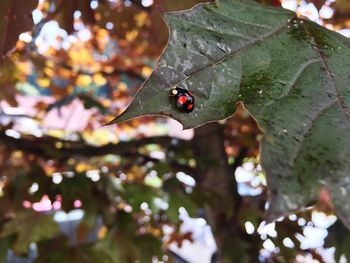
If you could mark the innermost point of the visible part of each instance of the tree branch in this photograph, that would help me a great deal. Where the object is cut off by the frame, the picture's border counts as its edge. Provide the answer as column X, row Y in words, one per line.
column 216, row 176
column 48, row 147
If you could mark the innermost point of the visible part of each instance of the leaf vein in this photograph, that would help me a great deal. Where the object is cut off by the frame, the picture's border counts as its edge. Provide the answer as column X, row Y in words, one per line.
column 256, row 7
column 233, row 53
column 332, row 83
column 215, row 31
column 238, row 21
column 329, row 74
column 299, row 74
column 308, row 130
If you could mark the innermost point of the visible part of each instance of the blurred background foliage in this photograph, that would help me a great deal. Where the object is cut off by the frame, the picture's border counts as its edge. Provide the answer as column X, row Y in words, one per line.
column 69, row 66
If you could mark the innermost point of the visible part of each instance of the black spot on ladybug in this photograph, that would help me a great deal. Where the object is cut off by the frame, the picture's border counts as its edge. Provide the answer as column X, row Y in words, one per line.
column 184, row 99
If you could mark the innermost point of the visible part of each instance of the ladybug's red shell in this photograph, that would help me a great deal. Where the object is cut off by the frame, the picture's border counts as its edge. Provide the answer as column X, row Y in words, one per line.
column 184, row 99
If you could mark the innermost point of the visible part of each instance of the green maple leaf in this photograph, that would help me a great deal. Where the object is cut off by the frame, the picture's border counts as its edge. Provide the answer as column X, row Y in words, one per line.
column 291, row 74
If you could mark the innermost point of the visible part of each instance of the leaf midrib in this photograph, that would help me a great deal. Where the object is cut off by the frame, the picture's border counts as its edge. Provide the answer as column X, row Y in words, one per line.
column 332, row 83
column 329, row 74
column 275, row 32
column 307, row 131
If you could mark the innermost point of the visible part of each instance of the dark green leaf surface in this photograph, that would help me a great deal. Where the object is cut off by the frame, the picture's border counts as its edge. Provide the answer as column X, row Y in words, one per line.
column 292, row 75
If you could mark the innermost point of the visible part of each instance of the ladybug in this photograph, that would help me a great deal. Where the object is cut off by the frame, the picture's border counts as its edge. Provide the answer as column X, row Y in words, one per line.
column 184, row 99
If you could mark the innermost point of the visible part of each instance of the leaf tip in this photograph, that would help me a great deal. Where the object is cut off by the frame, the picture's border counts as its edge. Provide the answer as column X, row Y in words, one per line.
column 113, row 121
column 273, row 213
column 121, row 118
column 269, row 217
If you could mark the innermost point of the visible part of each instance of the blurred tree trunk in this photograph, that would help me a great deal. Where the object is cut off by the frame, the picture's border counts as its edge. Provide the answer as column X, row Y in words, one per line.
column 216, row 178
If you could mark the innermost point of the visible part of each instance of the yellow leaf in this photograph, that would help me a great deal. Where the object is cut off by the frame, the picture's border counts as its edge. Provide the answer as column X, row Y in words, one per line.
column 141, row 18
column 122, row 86
column 128, row 62
column 99, row 79
column 102, row 232
column 80, row 56
column 50, row 63
column 49, row 72
column 102, row 33
column 25, row 67
column 43, row 82
column 17, row 155
column 146, row 71
column 106, row 103
column 82, row 167
column 56, row 133
column 97, row 16
column 108, row 69
column 132, row 35
column 58, row 145
column 70, row 88
column 83, row 80
column 20, row 45
column 64, row 73
column 100, row 137
column 49, row 170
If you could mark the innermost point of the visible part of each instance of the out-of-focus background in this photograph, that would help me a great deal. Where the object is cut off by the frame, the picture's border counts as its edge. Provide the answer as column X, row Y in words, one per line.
column 73, row 190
